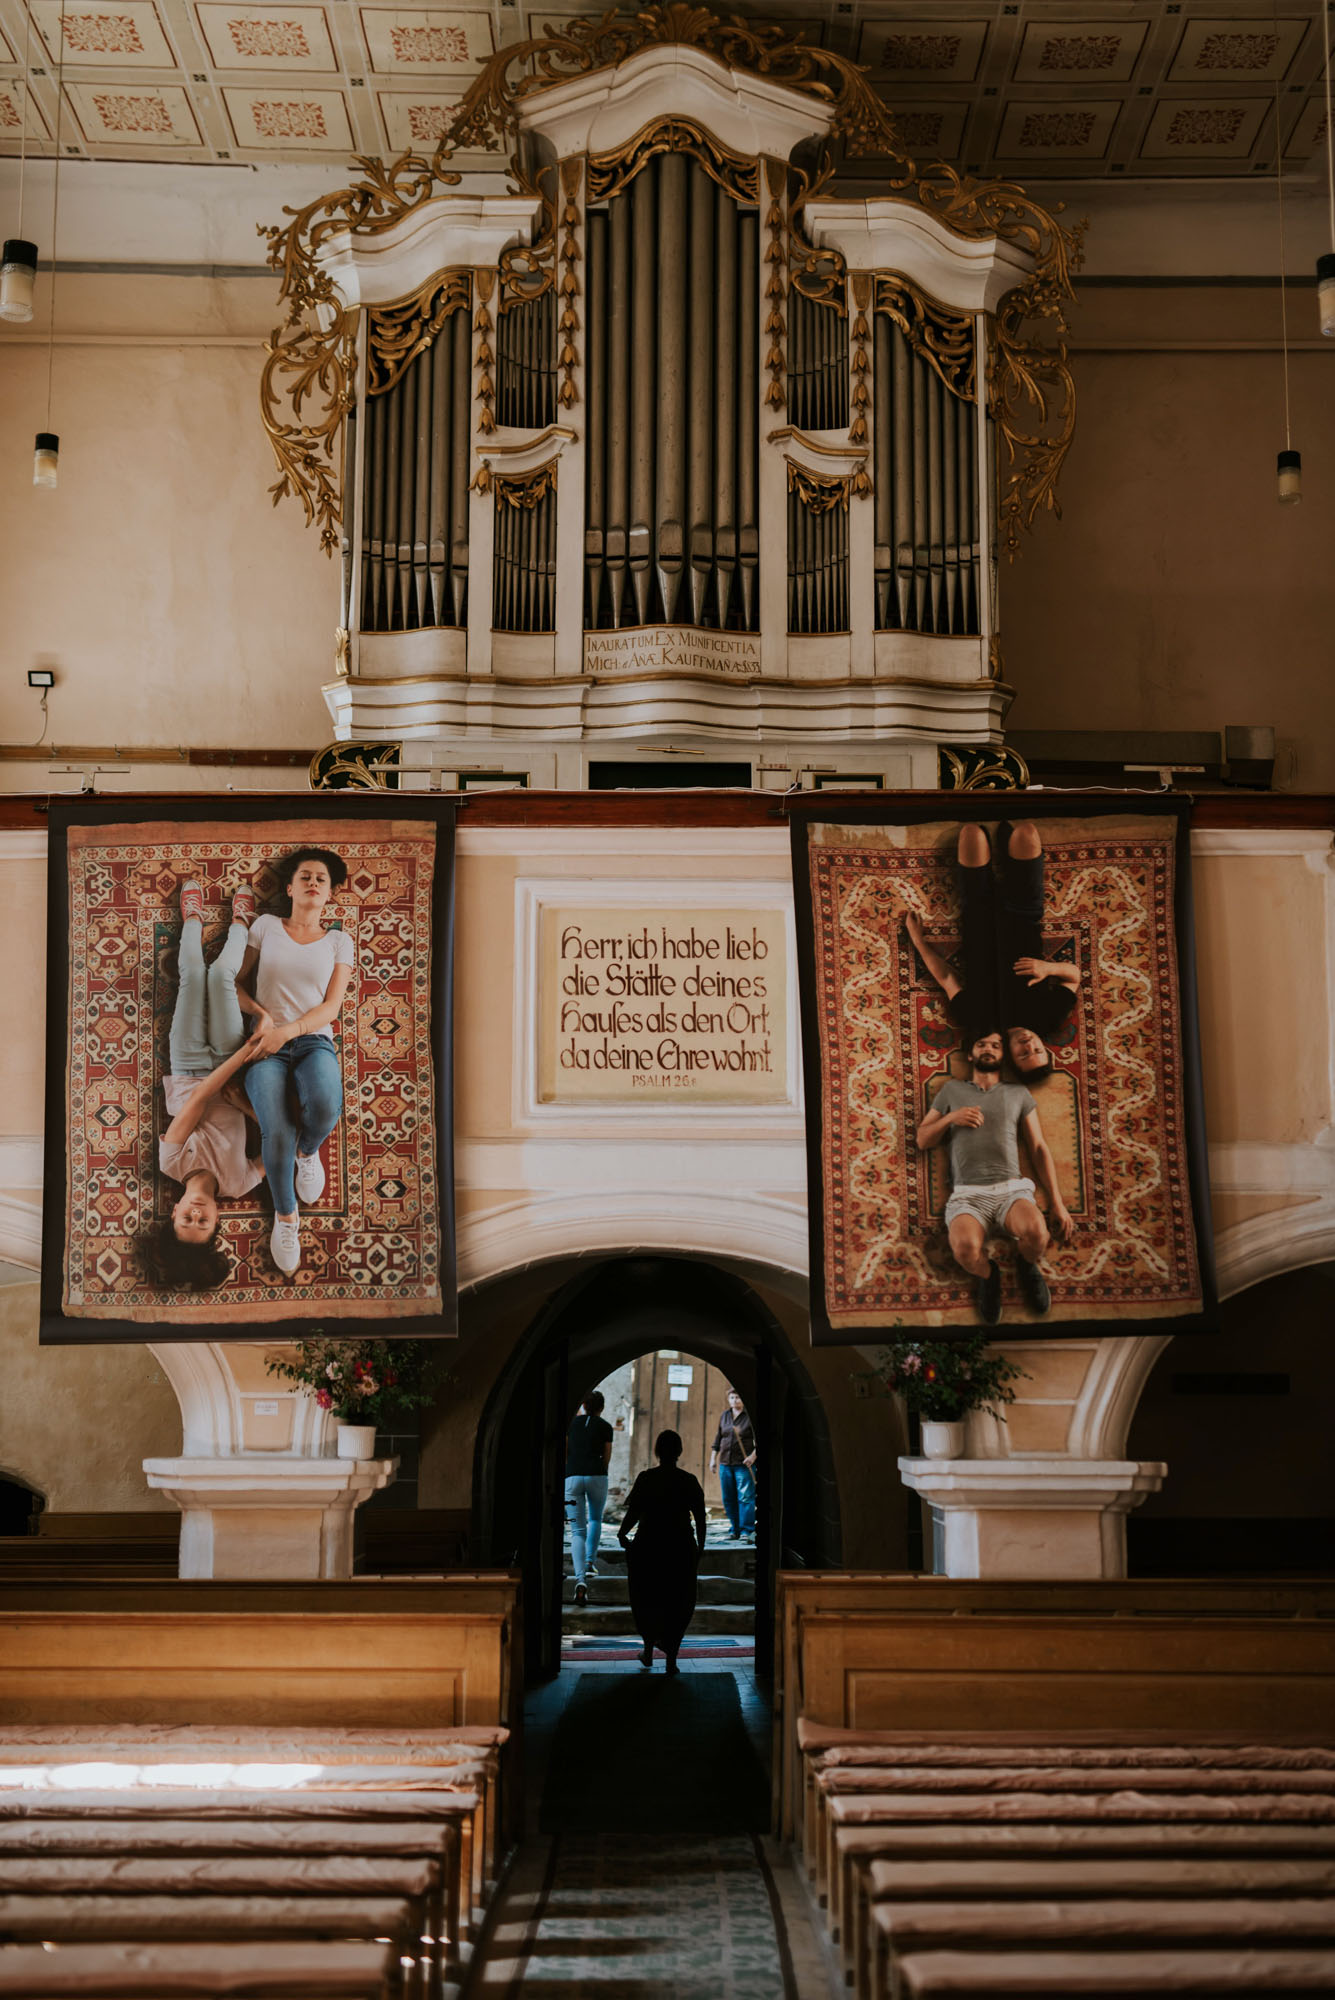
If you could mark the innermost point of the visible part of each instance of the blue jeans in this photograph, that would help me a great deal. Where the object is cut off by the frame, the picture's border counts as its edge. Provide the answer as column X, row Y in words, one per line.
column 739, row 1498
column 586, row 1497
column 297, row 1095
column 206, row 1021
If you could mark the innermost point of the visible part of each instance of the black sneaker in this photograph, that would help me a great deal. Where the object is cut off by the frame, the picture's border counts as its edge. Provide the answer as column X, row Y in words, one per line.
column 987, row 1295
column 1034, row 1287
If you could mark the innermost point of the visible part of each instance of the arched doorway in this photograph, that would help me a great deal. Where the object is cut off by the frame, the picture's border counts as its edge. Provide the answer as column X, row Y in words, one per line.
column 608, row 1313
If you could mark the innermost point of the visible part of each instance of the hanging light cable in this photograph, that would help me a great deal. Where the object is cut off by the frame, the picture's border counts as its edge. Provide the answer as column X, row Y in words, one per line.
column 1325, row 266
column 1289, row 466
column 18, row 265
column 46, row 449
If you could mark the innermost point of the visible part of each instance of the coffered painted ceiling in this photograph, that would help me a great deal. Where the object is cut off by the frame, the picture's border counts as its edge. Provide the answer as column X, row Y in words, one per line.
column 1035, row 89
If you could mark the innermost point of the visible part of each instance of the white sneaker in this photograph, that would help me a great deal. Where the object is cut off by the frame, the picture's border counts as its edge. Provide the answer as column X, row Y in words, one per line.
column 285, row 1246
column 310, row 1178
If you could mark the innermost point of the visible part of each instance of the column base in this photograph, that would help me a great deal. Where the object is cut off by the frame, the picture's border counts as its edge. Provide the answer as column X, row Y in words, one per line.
column 1030, row 1518
column 258, row 1515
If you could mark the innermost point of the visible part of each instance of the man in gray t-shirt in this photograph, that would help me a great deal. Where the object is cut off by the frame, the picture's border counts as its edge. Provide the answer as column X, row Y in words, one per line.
column 982, row 1121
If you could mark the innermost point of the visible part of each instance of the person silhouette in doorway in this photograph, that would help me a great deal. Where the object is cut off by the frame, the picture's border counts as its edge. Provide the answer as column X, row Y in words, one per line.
column 667, row 1509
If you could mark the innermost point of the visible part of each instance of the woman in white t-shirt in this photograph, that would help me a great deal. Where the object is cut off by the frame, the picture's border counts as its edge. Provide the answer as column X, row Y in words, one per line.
column 204, row 1144
column 292, row 982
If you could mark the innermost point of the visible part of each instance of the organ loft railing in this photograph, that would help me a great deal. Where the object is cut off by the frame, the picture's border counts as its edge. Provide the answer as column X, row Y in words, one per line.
column 657, row 396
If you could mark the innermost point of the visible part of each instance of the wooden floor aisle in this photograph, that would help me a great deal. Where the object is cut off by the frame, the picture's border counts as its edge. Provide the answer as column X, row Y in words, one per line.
column 706, row 1911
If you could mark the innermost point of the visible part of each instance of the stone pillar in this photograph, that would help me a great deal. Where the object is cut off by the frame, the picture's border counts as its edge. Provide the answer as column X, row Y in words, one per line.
column 1046, row 1492
column 262, row 1514
column 1056, row 1517
column 259, row 1491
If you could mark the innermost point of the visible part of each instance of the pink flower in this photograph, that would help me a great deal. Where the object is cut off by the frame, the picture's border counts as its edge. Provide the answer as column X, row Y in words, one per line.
column 911, row 1364
column 324, row 1399
column 366, row 1386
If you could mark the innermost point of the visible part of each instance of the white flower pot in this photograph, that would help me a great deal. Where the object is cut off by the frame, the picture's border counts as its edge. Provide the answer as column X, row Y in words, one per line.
column 356, row 1440
column 942, row 1440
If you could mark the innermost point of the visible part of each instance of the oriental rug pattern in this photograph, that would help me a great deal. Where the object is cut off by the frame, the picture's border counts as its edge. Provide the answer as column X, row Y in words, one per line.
column 1112, row 1112
column 371, row 1246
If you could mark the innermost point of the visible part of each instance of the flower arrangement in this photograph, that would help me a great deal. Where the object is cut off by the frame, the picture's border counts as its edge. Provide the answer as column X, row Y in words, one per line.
column 943, row 1380
column 361, row 1381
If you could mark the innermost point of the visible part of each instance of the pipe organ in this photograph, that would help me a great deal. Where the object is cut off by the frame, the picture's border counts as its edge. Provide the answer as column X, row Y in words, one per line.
column 676, row 447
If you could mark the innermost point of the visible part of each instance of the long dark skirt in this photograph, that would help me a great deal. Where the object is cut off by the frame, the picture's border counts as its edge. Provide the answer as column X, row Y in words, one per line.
column 662, row 1588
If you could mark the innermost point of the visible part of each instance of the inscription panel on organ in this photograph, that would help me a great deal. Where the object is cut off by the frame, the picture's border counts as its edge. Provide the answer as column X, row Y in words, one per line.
column 657, row 1004
column 653, row 649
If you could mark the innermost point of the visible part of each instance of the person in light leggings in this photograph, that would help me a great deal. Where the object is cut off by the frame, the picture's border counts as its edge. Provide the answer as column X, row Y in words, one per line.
column 203, row 1146
column 293, row 979
column 588, row 1453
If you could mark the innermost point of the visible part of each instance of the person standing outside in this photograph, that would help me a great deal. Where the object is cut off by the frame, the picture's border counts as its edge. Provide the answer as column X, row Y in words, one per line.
column 982, row 1121
column 733, row 1455
column 588, row 1453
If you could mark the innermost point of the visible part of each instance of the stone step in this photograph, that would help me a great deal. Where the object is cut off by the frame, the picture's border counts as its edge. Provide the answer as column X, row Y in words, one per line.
column 737, row 1559
column 615, row 1590
column 737, row 1620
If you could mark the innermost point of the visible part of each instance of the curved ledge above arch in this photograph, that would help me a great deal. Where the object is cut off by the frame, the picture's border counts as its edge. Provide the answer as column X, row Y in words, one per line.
column 757, row 1228
column 1266, row 1246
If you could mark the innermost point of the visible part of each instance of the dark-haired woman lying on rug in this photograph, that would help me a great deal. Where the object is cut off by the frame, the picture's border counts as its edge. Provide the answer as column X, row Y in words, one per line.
column 293, row 979
column 204, row 1145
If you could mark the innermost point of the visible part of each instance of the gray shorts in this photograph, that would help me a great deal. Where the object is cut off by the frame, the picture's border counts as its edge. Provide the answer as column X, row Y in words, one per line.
column 989, row 1205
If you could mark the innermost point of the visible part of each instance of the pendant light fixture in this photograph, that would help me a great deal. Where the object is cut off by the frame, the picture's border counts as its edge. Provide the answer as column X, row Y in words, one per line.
column 46, row 447
column 1325, row 266
column 18, row 265
column 1289, row 465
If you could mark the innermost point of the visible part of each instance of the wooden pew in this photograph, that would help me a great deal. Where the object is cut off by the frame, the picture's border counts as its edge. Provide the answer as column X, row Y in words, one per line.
column 371, row 1654
column 940, row 1621
column 281, row 1971
column 984, row 1884
column 1122, row 1975
column 281, row 1844
column 212, row 1920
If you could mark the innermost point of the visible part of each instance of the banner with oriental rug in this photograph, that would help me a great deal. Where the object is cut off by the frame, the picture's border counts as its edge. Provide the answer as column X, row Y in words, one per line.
column 130, row 1147
column 899, row 984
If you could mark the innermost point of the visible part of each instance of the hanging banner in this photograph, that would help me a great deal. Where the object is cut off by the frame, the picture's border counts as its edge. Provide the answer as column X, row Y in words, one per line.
column 1002, row 1073
column 250, row 1026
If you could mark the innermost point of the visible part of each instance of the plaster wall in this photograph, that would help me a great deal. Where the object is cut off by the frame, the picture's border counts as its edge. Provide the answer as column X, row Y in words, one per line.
column 76, row 1423
column 176, row 606
column 1175, row 592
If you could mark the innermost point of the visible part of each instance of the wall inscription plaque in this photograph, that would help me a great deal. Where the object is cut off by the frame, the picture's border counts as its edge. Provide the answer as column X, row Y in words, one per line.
column 651, row 649
column 651, row 1004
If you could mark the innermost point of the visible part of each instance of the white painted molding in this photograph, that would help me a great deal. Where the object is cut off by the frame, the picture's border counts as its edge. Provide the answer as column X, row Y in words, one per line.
column 595, row 113
column 1033, row 1482
column 465, row 713
column 1266, row 1246
column 25, row 843
column 602, row 1158
column 21, row 1233
column 208, row 1396
column 1254, row 840
column 21, row 1162
column 449, row 230
column 665, row 843
column 1261, row 1168
column 889, row 233
column 510, row 453
column 756, row 1228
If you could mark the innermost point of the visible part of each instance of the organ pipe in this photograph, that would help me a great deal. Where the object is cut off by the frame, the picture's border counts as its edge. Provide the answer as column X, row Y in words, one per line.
column 524, row 563
column 526, row 361
column 415, row 510
column 926, row 486
column 672, row 532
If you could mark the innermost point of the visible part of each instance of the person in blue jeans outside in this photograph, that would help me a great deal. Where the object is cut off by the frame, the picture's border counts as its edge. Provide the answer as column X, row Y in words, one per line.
column 292, row 981
column 733, row 1455
column 588, row 1453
